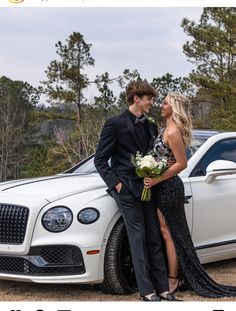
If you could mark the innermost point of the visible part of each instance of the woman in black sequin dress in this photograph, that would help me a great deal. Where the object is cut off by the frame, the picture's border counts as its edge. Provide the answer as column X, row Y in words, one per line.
column 168, row 192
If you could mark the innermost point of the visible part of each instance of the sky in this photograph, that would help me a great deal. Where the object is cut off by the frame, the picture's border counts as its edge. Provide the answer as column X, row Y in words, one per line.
column 147, row 39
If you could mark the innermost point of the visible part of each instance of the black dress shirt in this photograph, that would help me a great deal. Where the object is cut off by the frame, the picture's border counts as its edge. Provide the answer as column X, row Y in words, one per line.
column 142, row 132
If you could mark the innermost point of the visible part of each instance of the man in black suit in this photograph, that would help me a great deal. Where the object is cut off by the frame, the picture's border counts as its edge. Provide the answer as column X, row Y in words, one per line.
column 122, row 136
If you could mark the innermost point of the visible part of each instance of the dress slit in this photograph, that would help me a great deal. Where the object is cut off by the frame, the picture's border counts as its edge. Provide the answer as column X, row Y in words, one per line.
column 169, row 197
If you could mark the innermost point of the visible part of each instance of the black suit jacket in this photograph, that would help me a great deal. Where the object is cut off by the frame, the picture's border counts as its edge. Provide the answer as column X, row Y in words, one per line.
column 119, row 141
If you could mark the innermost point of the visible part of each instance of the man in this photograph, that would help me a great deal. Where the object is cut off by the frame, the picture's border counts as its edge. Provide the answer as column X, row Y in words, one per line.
column 121, row 137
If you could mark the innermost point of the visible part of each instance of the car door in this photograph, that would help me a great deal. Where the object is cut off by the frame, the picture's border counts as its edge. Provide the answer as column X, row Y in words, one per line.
column 214, row 204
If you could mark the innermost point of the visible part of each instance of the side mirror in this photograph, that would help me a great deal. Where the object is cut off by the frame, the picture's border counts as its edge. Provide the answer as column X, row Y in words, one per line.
column 219, row 168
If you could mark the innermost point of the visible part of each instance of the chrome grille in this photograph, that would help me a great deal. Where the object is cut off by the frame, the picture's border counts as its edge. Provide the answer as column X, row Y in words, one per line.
column 13, row 222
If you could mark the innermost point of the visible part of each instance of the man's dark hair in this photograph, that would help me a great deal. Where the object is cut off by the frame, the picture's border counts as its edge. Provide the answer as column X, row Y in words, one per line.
column 139, row 88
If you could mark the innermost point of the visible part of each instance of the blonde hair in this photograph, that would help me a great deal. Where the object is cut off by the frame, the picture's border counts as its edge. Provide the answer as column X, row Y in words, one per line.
column 181, row 107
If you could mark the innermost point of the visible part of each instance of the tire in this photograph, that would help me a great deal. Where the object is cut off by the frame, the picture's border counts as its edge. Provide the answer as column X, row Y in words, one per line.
column 119, row 277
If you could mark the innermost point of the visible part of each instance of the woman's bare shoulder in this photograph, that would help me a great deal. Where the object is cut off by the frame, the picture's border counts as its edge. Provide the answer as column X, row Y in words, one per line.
column 172, row 132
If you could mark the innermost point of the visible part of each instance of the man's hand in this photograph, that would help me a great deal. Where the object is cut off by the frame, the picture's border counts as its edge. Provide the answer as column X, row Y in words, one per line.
column 118, row 187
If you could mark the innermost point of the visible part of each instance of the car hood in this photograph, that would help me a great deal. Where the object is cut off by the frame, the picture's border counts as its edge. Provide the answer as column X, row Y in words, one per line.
column 54, row 187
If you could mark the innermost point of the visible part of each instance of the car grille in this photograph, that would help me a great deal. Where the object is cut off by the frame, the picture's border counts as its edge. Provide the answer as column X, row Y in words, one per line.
column 47, row 260
column 13, row 222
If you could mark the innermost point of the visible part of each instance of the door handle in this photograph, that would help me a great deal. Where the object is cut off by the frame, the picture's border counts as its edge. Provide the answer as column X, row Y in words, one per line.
column 187, row 198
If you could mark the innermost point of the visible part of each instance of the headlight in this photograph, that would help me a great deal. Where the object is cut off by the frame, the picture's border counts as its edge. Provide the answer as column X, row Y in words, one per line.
column 57, row 219
column 88, row 215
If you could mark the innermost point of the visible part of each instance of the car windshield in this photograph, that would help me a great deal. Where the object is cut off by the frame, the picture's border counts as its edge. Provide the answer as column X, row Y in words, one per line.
column 196, row 144
column 87, row 166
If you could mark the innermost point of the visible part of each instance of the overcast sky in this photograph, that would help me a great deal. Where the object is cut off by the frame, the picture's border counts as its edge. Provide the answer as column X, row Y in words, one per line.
column 147, row 39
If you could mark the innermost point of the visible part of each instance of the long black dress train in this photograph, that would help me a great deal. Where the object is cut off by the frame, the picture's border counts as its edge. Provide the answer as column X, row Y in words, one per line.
column 169, row 198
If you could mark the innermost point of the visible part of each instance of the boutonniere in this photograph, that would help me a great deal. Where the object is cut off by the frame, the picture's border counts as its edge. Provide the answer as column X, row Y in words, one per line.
column 150, row 120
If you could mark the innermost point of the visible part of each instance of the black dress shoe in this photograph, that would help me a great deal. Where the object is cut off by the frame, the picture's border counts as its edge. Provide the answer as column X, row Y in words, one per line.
column 153, row 297
column 170, row 297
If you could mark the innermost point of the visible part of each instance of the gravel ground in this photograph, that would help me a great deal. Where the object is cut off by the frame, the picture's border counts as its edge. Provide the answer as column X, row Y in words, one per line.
column 223, row 272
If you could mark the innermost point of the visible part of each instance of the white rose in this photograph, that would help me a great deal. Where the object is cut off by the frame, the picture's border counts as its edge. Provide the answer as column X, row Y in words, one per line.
column 148, row 161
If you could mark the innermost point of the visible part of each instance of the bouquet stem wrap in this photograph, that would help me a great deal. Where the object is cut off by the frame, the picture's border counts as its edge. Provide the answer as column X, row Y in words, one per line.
column 146, row 195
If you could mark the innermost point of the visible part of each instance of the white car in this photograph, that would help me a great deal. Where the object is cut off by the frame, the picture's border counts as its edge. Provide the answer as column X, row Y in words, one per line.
column 68, row 229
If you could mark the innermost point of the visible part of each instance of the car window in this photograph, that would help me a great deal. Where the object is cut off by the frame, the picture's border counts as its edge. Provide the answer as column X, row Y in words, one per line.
column 196, row 144
column 84, row 167
column 87, row 168
column 223, row 150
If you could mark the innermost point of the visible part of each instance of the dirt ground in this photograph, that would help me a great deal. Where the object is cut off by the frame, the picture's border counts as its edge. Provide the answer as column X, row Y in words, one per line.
column 223, row 272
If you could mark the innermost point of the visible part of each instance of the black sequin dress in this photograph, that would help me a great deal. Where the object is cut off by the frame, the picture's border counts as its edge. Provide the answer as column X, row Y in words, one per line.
column 169, row 197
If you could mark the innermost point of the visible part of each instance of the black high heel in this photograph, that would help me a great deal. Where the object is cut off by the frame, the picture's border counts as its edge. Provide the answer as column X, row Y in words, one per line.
column 181, row 286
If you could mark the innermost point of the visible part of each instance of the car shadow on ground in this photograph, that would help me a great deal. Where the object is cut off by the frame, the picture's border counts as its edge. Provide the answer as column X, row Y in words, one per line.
column 223, row 272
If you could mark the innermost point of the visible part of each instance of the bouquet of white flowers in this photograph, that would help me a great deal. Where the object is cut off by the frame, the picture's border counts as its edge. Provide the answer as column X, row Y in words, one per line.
column 148, row 166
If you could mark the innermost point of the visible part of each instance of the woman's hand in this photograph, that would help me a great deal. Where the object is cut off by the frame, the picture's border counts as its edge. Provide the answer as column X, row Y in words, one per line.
column 149, row 182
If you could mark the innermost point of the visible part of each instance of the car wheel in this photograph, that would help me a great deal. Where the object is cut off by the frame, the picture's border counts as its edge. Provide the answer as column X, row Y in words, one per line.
column 119, row 277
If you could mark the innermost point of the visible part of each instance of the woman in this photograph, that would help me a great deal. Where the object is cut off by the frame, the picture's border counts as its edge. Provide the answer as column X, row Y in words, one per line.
column 168, row 192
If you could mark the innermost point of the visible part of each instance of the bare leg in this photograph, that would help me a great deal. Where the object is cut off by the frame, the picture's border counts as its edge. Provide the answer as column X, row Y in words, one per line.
column 171, row 253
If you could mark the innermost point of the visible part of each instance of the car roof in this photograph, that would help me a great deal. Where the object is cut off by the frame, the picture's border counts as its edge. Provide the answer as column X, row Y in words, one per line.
column 205, row 134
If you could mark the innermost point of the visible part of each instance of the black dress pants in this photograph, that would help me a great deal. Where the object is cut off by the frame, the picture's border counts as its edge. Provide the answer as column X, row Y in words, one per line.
column 145, row 242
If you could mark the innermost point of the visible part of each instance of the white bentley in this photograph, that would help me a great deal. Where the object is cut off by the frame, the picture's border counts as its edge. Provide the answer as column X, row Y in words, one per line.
column 67, row 229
